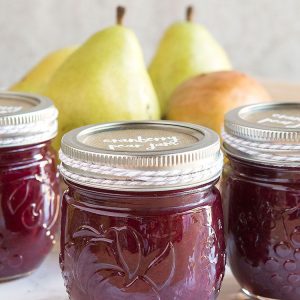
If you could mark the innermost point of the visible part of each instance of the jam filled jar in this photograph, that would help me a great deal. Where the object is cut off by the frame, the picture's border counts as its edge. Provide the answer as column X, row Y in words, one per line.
column 261, row 194
column 142, row 218
column 29, row 185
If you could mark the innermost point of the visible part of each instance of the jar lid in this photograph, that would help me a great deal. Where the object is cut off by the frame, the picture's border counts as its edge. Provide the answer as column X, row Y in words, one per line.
column 26, row 119
column 264, row 133
column 150, row 155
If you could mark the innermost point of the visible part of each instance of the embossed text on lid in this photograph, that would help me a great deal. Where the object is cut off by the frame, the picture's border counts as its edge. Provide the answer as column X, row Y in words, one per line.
column 265, row 122
column 9, row 106
column 286, row 116
column 141, row 138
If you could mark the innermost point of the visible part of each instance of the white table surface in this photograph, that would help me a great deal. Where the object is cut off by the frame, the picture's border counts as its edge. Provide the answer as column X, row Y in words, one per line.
column 46, row 284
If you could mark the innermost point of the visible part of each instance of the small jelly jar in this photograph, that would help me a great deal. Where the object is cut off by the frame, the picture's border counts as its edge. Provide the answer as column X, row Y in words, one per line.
column 29, row 184
column 261, row 194
column 142, row 218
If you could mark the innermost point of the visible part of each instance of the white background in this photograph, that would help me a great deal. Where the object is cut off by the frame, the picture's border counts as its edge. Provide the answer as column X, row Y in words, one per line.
column 262, row 37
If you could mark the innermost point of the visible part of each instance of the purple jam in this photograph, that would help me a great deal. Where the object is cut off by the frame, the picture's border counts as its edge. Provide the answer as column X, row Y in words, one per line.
column 29, row 198
column 262, row 209
column 142, row 245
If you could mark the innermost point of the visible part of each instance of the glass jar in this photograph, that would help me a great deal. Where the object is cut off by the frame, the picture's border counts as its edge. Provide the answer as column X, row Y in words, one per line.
column 29, row 185
column 261, row 194
column 142, row 218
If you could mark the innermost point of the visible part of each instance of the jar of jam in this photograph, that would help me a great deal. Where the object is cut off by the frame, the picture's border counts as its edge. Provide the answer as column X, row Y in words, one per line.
column 142, row 218
column 29, row 185
column 261, row 194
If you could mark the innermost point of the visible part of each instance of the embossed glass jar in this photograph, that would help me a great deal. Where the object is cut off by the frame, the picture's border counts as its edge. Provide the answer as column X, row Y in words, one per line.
column 261, row 194
column 29, row 185
column 142, row 218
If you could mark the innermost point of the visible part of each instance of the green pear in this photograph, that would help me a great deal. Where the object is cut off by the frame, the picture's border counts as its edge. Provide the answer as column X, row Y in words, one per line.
column 104, row 80
column 37, row 78
column 185, row 50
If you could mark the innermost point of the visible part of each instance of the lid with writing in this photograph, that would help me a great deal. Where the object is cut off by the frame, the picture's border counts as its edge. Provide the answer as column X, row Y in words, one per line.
column 26, row 119
column 266, row 133
column 146, row 155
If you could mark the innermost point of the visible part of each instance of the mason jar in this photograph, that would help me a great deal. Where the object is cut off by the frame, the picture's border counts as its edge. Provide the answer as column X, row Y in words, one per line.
column 29, row 184
column 261, row 194
column 142, row 218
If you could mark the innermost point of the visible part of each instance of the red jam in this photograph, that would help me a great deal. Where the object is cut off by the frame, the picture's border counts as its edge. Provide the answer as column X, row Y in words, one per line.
column 141, row 245
column 261, row 194
column 142, row 218
column 262, row 205
column 29, row 198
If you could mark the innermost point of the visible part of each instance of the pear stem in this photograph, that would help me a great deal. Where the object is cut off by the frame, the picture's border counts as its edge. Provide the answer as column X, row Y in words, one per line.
column 190, row 13
column 120, row 14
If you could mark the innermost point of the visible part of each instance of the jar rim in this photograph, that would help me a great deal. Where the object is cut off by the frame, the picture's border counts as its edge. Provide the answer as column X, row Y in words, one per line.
column 26, row 119
column 265, row 133
column 165, row 155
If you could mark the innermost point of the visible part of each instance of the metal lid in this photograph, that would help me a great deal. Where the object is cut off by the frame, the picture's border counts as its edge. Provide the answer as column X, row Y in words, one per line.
column 26, row 119
column 264, row 133
column 141, row 155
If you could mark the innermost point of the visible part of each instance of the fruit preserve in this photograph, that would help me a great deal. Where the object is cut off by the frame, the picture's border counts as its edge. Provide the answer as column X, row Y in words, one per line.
column 142, row 218
column 29, row 185
column 261, row 194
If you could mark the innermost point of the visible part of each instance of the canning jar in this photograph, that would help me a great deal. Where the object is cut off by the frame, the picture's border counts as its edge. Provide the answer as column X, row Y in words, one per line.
column 261, row 194
column 29, row 185
column 142, row 218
